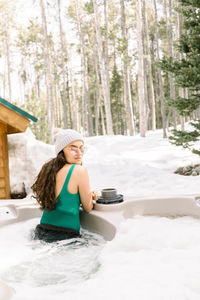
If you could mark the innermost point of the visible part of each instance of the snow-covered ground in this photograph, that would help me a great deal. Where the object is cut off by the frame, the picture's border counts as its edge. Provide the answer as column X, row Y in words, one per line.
column 150, row 258
column 135, row 166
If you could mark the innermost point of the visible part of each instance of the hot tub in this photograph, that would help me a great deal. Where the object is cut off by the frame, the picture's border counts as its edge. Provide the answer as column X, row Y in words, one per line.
column 104, row 219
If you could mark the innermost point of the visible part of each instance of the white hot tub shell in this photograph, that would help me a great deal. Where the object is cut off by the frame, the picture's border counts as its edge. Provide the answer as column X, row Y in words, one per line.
column 103, row 219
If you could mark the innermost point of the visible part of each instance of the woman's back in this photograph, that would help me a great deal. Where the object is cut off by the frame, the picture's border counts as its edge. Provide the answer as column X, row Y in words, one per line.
column 66, row 212
column 61, row 177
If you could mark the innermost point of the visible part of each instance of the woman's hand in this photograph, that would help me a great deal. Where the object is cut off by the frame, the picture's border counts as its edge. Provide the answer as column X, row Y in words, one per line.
column 94, row 195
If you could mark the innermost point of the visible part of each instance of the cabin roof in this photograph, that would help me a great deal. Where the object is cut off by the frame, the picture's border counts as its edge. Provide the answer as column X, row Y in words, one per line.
column 17, row 110
column 12, row 118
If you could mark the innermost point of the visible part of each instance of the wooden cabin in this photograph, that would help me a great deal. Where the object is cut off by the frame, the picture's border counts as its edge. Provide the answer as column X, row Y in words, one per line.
column 12, row 120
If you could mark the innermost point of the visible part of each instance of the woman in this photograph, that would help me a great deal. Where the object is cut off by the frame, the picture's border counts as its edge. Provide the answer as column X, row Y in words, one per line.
column 60, row 187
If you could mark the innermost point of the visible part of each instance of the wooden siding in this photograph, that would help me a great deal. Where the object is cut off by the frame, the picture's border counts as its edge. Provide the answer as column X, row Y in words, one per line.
column 4, row 164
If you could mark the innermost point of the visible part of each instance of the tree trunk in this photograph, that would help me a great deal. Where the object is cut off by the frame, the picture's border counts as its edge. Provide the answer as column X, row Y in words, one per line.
column 8, row 62
column 106, row 42
column 83, row 106
column 126, row 75
column 75, row 111
column 86, row 93
column 171, row 54
column 141, row 69
column 105, row 84
column 150, row 77
column 102, row 121
column 64, row 71
column 98, row 95
column 161, row 92
column 4, row 82
column 87, row 97
column 180, row 56
column 48, row 76
column 56, row 106
column 70, row 107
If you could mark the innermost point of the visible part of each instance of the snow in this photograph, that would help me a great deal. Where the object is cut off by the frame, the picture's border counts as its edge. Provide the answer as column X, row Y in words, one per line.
column 135, row 166
column 26, row 156
column 149, row 258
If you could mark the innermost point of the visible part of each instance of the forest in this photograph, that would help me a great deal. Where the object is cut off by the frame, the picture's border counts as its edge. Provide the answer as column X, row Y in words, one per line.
column 103, row 66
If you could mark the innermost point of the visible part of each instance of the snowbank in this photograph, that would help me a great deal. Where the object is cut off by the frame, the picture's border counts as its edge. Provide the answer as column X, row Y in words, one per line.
column 135, row 166
column 26, row 156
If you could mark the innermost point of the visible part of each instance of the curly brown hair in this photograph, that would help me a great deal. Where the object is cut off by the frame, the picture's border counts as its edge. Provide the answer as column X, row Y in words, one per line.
column 44, row 185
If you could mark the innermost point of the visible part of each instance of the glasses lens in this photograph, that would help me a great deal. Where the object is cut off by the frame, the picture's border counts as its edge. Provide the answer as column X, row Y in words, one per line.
column 74, row 150
column 83, row 149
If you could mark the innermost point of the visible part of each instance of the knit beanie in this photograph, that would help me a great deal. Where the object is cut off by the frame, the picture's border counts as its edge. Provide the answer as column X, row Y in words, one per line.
column 65, row 137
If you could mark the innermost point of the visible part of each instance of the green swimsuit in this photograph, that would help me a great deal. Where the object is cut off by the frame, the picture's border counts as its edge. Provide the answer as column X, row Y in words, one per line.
column 66, row 213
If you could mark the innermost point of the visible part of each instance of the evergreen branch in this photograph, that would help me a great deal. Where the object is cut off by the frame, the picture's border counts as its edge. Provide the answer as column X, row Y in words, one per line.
column 184, row 138
column 195, row 151
column 184, row 106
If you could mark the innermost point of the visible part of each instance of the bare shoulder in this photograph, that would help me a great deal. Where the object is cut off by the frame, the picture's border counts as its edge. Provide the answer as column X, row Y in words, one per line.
column 63, row 172
column 80, row 170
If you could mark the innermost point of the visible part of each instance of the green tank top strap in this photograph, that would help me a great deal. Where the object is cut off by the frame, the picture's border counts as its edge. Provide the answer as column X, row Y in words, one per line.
column 68, row 176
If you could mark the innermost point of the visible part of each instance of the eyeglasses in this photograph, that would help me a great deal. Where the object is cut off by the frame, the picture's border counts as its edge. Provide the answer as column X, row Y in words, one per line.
column 74, row 149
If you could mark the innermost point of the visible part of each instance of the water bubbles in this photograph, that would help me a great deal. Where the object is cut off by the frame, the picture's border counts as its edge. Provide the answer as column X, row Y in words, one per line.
column 39, row 264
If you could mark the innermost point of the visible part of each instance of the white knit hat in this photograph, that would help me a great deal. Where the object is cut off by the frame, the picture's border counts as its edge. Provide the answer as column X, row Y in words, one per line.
column 65, row 137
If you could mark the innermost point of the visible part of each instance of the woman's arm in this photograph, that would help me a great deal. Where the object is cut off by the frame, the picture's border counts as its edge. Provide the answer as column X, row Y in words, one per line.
column 86, row 195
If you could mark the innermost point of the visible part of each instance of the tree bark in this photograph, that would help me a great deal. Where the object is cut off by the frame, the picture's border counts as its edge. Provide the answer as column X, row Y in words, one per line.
column 105, row 84
column 8, row 62
column 106, row 42
column 142, row 97
column 102, row 121
column 180, row 90
column 48, row 76
column 150, row 77
column 86, row 92
column 64, row 71
column 75, row 110
column 161, row 92
column 126, row 74
column 171, row 54
column 98, row 96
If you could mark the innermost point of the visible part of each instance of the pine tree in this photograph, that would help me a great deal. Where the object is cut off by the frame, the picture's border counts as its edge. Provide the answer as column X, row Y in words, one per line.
column 186, row 73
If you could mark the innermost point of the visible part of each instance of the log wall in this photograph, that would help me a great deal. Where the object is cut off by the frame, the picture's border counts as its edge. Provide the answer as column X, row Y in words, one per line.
column 4, row 163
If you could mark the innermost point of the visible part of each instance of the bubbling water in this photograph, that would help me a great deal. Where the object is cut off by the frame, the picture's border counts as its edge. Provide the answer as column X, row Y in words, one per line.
column 25, row 262
column 149, row 258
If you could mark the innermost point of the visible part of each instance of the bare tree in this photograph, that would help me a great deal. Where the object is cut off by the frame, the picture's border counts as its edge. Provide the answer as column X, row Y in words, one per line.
column 169, row 31
column 161, row 91
column 105, row 83
column 7, row 12
column 106, row 41
column 7, row 40
column 142, row 80
column 98, row 95
column 64, row 70
column 180, row 56
column 126, row 74
column 48, row 73
column 85, row 78
column 150, row 76
column 75, row 106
